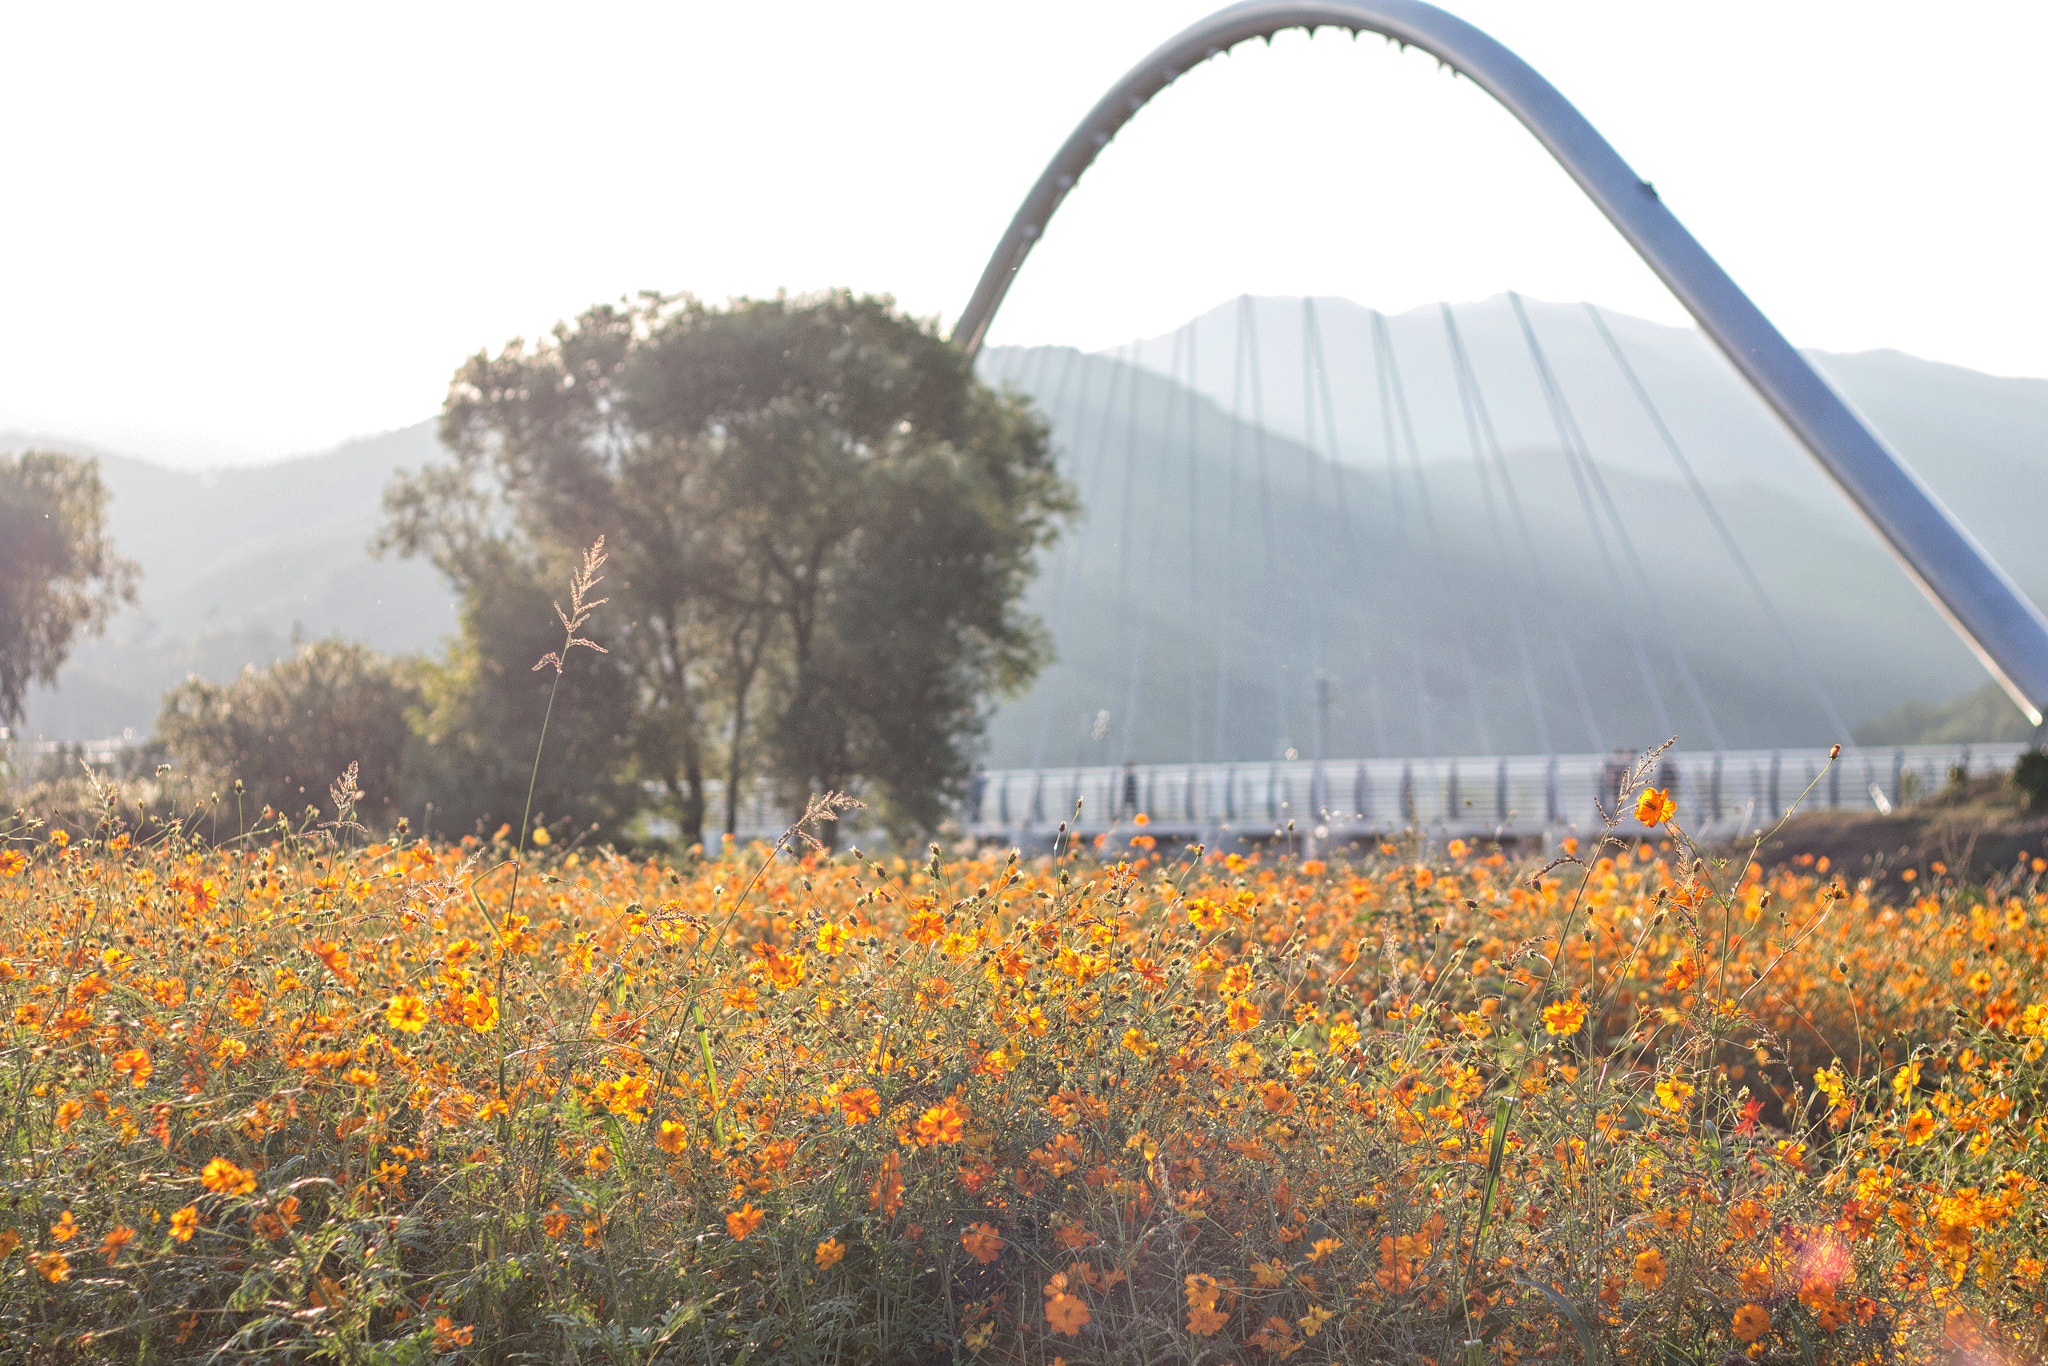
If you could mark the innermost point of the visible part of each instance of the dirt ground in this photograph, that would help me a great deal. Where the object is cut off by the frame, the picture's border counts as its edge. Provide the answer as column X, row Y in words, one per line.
column 1975, row 829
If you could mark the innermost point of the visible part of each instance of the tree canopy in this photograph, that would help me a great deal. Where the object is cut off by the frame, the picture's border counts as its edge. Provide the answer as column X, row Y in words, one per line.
column 60, row 577
column 821, row 525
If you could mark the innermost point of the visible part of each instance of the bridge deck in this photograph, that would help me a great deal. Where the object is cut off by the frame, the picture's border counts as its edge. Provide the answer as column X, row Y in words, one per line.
column 1520, row 796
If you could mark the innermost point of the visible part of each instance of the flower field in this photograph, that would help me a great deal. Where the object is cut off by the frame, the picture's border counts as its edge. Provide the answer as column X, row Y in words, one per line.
column 302, row 1098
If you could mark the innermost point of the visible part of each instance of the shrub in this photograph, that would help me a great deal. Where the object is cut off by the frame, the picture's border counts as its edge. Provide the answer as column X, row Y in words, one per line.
column 291, row 729
column 2030, row 776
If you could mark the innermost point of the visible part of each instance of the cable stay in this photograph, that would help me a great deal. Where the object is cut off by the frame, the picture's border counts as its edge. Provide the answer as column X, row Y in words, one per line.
column 1151, row 543
column 1317, row 568
column 1395, row 499
column 1713, row 513
column 1247, row 323
column 1194, row 408
column 1570, row 451
column 1224, row 597
column 1385, row 338
column 1076, row 551
column 1628, row 547
column 1469, row 405
column 1352, row 570
column 1514, row 501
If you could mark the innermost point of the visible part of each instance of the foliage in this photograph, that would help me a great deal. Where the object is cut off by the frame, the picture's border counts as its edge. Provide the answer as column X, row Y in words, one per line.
column 2030, row 776
column 1982, row 714
column 820, row 523
column 289, row 730
column 1128, row 1105
column 60, row 577
column 483, row 708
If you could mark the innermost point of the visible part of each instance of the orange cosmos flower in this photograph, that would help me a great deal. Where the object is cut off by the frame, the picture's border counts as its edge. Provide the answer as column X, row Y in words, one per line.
column 743, row 1221
column 858, row 1107
column 940, row 1124
column 829, row 1252
column 223, row 1177
column 12, row 861
column 1565, row 1017
column 982, row 1243
column 1751, row 1322
column 1650, row 1267
column 136, row 1064
column 115, row 1241
column 1242, row 1015
column 64, row 1230
column 54, row 1265
column 1682, row 973
column 1919, row 1128
column 673, row 1137
column 1654, row 806
column 185, row 1223
column 407, row 1014
column 1066, row 1314
column 447, row 1336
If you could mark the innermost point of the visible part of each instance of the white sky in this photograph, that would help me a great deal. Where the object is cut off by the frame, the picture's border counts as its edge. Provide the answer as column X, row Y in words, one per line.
column 237, row 232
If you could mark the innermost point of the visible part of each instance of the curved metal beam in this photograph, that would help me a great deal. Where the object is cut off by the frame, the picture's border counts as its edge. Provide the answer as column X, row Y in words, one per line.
column 2006, row 632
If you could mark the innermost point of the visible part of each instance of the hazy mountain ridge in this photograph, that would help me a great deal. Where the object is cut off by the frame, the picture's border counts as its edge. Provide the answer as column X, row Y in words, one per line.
column 234, row 561
column 1212, row 606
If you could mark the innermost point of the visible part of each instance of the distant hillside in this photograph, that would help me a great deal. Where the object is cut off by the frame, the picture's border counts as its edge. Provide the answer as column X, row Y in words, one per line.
column 1149, row 588
column 233, row 562
column 1198, row 603
column 1982, row 714
column 1974, row 438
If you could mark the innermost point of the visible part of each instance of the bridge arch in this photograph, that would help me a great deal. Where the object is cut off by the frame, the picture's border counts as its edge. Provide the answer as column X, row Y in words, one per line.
column 2006, row 632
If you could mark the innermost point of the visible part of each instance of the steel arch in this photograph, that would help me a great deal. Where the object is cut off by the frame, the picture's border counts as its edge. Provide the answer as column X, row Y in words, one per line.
column 2003, row 629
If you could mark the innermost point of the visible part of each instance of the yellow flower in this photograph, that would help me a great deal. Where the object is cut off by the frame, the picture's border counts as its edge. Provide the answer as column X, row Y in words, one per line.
column 408, row 1014
column 829, row 1253
column 185, row 1223
column 541, row 836
column 1672, row 1093
column 673, row 1137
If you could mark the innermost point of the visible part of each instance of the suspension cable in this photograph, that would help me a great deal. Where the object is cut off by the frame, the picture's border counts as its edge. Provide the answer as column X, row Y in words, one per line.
column 1070, row 561
column 1144, row 629
column 1554, row 401
column 1385, row 337
column 1466, row 403
column 1700, row 495
column 1470, row 375
column 1194, row 410
column 1414, row 631
column 1351, row 570
column 1658, row 612
column 1316, row 567
column 1248, row 315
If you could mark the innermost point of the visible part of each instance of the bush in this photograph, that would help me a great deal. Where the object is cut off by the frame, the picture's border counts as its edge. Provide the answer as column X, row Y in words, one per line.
column 2030, row 776
column 289, row 730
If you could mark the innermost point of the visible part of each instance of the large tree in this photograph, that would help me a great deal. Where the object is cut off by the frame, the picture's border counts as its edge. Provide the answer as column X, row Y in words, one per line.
column 821, row 525
column 59, row 575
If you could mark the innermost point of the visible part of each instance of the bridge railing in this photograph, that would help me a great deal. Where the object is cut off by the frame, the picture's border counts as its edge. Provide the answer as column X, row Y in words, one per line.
column 1519, row 795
